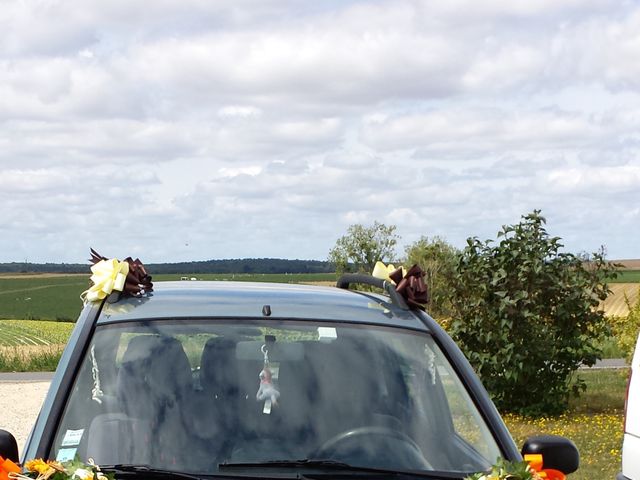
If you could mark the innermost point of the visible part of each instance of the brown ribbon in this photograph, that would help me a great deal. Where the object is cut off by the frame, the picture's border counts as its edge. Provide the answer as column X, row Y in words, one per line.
column 138, row 281
column 411, row 286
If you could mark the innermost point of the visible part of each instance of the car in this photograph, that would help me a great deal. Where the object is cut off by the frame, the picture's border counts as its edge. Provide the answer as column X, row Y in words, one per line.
column 631, row 439
column 257, row 380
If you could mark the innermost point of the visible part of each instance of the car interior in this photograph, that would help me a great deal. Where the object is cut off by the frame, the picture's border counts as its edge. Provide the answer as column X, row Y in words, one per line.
column 151, row 398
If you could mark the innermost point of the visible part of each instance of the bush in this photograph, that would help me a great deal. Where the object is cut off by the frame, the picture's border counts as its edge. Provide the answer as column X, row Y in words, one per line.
column 527, row 315
column 438, row 260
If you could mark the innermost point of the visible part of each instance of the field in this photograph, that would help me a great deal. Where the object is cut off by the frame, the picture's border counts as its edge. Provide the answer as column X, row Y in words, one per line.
column 32, row 345
column 631, row 264
column 42, row 297
column 57, row 297
column 33, row 332
column 628, row 276
column 51, row 297
column 615, row 304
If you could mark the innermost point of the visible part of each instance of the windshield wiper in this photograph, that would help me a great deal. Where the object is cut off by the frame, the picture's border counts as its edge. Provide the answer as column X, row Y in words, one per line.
column 147, row 471
column 325, row 465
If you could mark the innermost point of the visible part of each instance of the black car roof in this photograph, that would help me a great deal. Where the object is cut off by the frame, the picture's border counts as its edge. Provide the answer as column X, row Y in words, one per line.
column 203, row 299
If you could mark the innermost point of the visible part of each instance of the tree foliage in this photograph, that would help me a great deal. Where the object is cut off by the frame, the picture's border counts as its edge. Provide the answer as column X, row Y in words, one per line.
column 438, row 260
column 527, row 315
column 363, row 246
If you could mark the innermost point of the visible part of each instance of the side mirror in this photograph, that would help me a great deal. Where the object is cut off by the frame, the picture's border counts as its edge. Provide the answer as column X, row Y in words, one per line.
column 557, row 452
column 8, row 446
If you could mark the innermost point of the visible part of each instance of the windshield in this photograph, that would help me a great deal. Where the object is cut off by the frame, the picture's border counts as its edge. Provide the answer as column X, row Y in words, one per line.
column 200, row 396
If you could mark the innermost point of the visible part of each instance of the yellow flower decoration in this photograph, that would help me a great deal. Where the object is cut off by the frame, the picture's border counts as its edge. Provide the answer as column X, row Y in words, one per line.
column 108, row 275
column 382, row 271
column 37, row 465
column 46, row 470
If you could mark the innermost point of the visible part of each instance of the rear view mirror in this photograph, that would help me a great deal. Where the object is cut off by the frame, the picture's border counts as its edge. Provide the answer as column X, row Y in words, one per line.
column 8, row 446
column 278, row 352
column 557, row 452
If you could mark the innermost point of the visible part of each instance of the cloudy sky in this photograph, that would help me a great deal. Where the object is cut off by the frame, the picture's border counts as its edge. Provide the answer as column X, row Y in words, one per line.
column 195, row 129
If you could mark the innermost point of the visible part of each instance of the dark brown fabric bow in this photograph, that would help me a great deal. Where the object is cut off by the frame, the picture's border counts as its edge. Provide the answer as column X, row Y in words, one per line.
column 138, row 281
column 411, row 286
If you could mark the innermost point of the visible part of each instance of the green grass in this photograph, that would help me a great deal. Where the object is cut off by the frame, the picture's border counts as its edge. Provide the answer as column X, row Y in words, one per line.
column 606, row 391
column 58, row 298
column 627, row 276
column 594, row 422
column 48, row 298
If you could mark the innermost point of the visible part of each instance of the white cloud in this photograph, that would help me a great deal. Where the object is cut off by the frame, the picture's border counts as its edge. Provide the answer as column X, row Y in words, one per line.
column 264, row 128
column 239, row 111
column 489, row 129
column 621, row 179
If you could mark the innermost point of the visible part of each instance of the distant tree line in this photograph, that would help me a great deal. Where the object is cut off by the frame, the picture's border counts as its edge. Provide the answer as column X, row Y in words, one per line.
column 26, row 267
column 240, row 265
column 244, row 265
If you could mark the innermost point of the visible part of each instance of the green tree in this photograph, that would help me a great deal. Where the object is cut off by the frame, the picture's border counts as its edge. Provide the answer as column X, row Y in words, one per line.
column 438, row 259
column 363, row 246
column 527, row 315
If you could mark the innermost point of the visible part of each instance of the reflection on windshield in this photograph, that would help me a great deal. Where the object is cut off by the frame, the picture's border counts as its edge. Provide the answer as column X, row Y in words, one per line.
column 188, row 396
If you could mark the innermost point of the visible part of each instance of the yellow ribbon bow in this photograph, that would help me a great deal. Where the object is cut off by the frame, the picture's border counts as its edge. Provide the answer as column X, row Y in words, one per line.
column 382, row 271
column 108, row 275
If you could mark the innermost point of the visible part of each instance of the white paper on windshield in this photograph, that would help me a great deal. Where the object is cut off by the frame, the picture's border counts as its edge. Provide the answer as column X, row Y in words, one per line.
column 72, row 438
column 327, row 334
column 66, row 454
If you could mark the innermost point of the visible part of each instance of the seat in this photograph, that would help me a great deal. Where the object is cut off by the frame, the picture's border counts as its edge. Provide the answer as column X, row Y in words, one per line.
column 218, row 369
column 284, row 431
column 170, row 383
column 116, row 438
column 152, row 386
column 125, row 436
column 349, row 386
column 215, row 406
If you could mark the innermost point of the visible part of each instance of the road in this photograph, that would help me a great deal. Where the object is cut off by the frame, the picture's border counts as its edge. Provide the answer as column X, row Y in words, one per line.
column 21, row 396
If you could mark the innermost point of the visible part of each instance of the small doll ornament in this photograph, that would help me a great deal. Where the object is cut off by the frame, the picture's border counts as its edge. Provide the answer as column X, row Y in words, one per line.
column 267, row 391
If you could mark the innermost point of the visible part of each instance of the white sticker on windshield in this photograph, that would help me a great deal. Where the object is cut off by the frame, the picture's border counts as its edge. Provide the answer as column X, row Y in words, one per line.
column 66, row 454
column 72, row 438
column 327, row 334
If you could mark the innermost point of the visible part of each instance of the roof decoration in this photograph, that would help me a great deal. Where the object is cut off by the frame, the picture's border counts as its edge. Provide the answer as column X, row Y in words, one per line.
column 409, row 283
column 108, row 275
